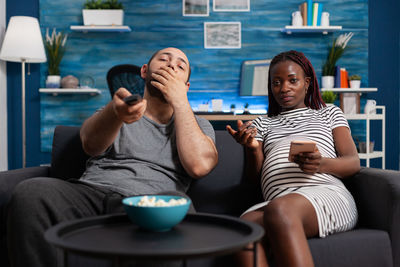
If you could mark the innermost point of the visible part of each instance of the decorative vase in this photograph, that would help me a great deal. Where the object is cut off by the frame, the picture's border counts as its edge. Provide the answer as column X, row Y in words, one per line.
column 327, row 81
column 69, row 81
column 103, row 17
column 53, row 81
column 355, row 84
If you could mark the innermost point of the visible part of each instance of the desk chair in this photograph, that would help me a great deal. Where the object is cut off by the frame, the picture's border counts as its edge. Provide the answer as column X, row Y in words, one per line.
column 127, row 76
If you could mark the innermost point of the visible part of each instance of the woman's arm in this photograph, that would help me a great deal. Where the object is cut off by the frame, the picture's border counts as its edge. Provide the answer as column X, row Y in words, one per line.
column 346, row 164
column 253, row 148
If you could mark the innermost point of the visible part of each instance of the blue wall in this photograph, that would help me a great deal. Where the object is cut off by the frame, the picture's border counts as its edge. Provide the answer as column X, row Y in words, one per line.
column 215, row 72
column 212, row 69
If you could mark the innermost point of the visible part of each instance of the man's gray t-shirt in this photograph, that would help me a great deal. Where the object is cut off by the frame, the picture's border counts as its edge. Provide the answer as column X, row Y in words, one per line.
column 142, row 160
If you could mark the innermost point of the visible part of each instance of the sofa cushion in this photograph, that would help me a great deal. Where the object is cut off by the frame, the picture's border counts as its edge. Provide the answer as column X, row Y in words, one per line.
column 359, row 247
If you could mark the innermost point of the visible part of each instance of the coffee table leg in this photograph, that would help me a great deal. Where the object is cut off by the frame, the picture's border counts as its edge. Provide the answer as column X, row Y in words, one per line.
column 116, row 262
column 255, row 254
column 65, row 258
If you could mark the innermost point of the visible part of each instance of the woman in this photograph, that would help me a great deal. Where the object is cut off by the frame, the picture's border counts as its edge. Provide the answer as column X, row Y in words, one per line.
column 304, row 198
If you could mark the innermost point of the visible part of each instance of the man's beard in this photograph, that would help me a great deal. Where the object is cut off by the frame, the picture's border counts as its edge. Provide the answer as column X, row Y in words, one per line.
column 153, row 91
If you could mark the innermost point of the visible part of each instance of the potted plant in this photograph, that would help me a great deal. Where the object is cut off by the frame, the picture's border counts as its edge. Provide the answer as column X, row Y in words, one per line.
column 246, row 109
column 355, row 81
column 335, row 52
column 329, row 97
column 55, row 49
column 103, row 12
column 233, row 106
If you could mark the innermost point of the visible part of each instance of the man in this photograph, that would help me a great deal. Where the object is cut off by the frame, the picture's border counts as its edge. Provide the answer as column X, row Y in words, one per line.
column 153, row 146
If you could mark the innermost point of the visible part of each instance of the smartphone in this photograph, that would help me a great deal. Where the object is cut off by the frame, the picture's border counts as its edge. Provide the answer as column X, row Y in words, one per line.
column 132, row 99
column 297, row 147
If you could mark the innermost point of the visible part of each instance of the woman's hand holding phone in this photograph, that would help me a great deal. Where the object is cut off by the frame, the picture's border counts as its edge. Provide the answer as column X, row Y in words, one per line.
column 306, row 155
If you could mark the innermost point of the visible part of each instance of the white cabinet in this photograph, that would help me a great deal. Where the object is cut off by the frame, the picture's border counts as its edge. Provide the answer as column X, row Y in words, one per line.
column 380, row 115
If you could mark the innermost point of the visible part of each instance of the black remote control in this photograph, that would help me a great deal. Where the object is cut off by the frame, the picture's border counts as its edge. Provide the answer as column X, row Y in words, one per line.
column 132, row 99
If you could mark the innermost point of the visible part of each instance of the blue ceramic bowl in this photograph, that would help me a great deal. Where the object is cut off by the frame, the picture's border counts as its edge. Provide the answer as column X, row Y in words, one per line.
column 157, row 219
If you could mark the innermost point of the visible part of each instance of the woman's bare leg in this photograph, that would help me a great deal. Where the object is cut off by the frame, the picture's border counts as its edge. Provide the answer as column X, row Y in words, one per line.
column 245, row 258
column 289, row 220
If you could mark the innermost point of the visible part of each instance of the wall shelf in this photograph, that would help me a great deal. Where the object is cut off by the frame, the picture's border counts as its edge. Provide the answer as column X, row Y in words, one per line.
column 86, row 29
column 310, row 29
column 350, row 90
column 56, row 91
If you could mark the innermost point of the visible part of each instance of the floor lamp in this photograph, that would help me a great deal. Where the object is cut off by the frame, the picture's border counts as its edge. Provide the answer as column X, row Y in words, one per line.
column 23, row 43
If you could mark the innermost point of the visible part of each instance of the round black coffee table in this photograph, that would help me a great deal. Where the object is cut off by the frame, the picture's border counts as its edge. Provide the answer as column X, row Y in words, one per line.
column 116, row 237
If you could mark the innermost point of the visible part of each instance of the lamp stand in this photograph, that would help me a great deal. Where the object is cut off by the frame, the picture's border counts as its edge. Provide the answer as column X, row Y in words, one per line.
column 23, row 114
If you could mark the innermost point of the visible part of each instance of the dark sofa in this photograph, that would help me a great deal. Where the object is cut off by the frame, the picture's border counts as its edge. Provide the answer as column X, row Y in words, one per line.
column 374, row 242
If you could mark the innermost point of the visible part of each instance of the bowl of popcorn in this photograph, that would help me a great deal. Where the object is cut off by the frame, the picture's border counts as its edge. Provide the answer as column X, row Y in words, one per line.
column 156, row 212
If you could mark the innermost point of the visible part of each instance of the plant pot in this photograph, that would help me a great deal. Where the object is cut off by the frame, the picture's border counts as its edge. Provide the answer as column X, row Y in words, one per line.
column 103, row 17
column 53, row 81
column 327, row 81
column 355, row 83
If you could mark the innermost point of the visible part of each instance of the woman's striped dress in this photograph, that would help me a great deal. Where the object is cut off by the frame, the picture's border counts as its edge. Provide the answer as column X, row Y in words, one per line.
column 333, row 203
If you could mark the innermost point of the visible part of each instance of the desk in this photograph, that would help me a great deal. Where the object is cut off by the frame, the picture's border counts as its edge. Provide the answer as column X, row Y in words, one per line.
column 230, row 117
column 117, row 238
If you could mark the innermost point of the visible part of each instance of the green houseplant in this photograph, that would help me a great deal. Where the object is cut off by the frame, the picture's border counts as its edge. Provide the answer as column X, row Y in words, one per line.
column 329, row 97
column 55, row 49
column 103, row 12
column 355, row 81
column 355, row 77
column 335, row 52
column 103, row 4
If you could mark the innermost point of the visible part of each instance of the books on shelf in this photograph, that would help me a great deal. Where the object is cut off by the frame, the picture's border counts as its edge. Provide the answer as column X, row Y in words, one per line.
column 303, row 11
column 337, row 83
column 311, row 13
column 344, row 79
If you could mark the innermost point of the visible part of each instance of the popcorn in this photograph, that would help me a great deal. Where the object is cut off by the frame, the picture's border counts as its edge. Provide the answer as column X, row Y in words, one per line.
column 145, row 201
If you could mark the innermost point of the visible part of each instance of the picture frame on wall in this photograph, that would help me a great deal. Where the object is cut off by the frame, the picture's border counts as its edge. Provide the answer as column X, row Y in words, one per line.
column 222, row 35
column 231, row 5
column 196, row 8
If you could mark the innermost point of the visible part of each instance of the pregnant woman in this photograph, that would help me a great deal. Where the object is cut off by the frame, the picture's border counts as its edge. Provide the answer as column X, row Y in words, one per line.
column 304, row 198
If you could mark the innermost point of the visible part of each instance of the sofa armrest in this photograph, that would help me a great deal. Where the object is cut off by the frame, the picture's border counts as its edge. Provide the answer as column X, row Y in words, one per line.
column 9, row 179
column 377, row 195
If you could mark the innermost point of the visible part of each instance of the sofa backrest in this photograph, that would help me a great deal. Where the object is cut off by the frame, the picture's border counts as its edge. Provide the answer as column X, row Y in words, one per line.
column 224, row 191
column 68, row 160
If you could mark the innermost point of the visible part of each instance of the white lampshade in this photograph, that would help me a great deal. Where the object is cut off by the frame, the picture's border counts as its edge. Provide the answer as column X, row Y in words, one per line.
column 23, row 41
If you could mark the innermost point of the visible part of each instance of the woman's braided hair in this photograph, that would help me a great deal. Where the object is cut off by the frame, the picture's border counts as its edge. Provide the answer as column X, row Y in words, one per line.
column 313, row 97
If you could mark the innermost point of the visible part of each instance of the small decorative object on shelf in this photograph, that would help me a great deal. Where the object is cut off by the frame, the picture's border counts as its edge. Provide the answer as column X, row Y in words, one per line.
column 335, row 52
column 69, row 81
column 233, row 107
column 203, row 107
column 86, row 82
column 355, row 81
column 370, row 107
column 216, row 105
column 103, row 12
column 55, row 49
